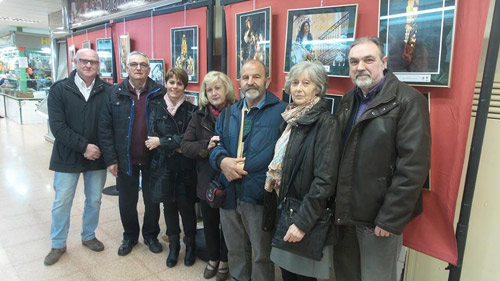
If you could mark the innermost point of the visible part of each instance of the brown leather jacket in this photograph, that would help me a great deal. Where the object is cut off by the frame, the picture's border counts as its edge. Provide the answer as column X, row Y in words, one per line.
column 385, row 158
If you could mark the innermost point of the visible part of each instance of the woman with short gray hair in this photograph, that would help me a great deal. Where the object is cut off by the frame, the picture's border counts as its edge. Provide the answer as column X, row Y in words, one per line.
column 304, row 168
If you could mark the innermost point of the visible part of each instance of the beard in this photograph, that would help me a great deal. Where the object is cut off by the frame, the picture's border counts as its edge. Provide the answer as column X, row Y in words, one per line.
column 366, row 82
column 253, row 92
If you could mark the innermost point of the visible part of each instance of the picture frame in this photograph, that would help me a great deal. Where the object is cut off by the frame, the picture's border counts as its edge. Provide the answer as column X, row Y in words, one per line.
column 184, row 50
column 253, row 38
column 71, row 56
column 333, row 100
column 157, row 70
column 104, row 48
column 123, row 51
column 192, row 97
column 86, row 44
column 418, row 40
column 321, row 34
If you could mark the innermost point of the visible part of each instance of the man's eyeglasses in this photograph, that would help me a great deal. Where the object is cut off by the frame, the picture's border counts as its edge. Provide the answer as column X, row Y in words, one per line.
column 135, row 65
column 85, row 62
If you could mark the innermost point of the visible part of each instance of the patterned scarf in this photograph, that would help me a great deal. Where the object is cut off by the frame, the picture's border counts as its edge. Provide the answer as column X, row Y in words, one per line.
column 292, row 113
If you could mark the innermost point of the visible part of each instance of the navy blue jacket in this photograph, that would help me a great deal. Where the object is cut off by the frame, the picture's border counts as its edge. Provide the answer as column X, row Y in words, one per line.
column 117, row 118
column 259, row 147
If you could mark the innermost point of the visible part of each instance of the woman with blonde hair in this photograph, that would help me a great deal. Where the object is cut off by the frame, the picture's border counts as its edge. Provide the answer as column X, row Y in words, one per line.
column 216, row 94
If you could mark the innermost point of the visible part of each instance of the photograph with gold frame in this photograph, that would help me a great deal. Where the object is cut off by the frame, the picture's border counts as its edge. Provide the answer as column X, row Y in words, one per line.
column 184, row 50
column 321, row 34
column 418, row 39
column 124, row 50
column 253, row 38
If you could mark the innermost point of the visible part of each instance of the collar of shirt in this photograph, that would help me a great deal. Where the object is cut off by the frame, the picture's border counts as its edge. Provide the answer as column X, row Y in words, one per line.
column 82, row 86
column 258, row 105
column 138, row 91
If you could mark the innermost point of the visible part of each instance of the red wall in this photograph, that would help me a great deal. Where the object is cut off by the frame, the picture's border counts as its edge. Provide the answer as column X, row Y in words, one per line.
column 140, row 38
column 433, row 231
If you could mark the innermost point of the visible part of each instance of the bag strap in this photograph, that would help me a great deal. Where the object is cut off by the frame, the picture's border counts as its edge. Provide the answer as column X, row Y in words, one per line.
column 300, row 158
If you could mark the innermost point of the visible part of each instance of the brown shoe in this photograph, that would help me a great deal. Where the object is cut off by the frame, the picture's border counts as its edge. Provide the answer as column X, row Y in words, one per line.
column 54, row 256
column 93, row 244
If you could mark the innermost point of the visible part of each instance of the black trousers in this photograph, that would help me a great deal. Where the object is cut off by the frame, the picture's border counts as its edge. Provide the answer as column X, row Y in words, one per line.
column 289, row 276
column 128, row 187
column 217, row 249
column 188, row 214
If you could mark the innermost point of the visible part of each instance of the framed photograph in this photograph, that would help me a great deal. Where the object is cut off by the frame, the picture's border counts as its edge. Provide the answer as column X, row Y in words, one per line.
column 321, row 34
column 253, row 38
column 71, row 56
column 124, row 50
column 418, row 39
column 104, row 48
column 334, row 100
column 192, row 97
column 86, row 45
column 157, row 73
column 185, row 50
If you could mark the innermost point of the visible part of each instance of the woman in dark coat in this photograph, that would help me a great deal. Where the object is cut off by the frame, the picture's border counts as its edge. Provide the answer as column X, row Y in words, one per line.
column 216, row 93
column 171, row 171
column 316, row 172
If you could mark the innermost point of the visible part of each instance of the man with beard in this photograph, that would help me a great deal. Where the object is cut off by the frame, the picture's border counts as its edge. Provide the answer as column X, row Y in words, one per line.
column 123, row 134
column 244, row 173
column 385, row 161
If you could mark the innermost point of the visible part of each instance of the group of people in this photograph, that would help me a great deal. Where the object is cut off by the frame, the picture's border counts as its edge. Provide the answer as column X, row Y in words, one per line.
column 367, row 163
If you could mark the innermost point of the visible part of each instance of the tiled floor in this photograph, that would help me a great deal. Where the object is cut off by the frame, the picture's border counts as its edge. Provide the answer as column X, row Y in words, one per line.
column 26, row 196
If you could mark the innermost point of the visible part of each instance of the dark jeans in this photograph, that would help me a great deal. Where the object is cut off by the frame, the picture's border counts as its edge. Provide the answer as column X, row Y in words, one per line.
column 188, row 214
column 217, row 249
column 289, row 276
column 128, row 187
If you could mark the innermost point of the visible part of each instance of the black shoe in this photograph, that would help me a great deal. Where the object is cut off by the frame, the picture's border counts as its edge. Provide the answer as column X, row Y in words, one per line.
column 154, row 245
column 174, row 247
column 190, row 256
column 126, row 247
column 210, row 270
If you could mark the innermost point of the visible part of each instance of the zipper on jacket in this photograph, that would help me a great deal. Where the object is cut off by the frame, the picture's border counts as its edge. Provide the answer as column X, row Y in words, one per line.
column 130, row 121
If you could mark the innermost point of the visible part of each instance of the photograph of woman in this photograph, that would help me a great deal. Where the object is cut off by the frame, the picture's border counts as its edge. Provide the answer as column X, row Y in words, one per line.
column 309, row 130
column 169, row 120
column 216, row 93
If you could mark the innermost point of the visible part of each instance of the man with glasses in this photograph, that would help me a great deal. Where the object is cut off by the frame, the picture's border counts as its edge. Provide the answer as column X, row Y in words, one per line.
column 74, row 105
column 123, row 134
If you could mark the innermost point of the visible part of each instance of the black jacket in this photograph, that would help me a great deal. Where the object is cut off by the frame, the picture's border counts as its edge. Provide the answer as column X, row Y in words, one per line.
column 117, row 118
column 194, row 145
column 385, row 158
column 73, row 121
column 170, row 169
column 315, row 178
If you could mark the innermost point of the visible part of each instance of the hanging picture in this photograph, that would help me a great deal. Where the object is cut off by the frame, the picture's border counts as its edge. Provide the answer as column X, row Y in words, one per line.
column 192, row 97
column 184, row 50
column 105, row 51
column 86, row 45
column 321, row 34
column 418, row 39
column 124, row 50
column 71, row 56
column 253, row 38
column 157, row 72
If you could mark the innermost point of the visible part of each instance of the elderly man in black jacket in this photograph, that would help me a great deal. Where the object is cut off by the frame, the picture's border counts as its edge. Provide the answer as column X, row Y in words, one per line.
column 74, row 105
column 385, row 161
column 123, row 133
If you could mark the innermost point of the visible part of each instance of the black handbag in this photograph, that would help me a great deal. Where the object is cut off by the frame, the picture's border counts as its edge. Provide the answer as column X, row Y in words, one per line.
column 270, row 211
column 216, row 194
column 312, row 244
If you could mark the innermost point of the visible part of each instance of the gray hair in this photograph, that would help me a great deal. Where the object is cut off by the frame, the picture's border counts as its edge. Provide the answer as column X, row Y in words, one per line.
column 266, row 69
column 374, row 40
column 137, row 53
column 316, row 73
column 212, row 77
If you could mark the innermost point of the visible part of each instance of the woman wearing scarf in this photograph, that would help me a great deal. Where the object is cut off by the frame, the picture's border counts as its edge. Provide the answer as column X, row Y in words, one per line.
column 315, row 176
column 169, row 120
column 216, row 93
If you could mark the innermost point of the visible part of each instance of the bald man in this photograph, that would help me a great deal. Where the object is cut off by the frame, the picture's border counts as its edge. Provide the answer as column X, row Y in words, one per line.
column 74, row 108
